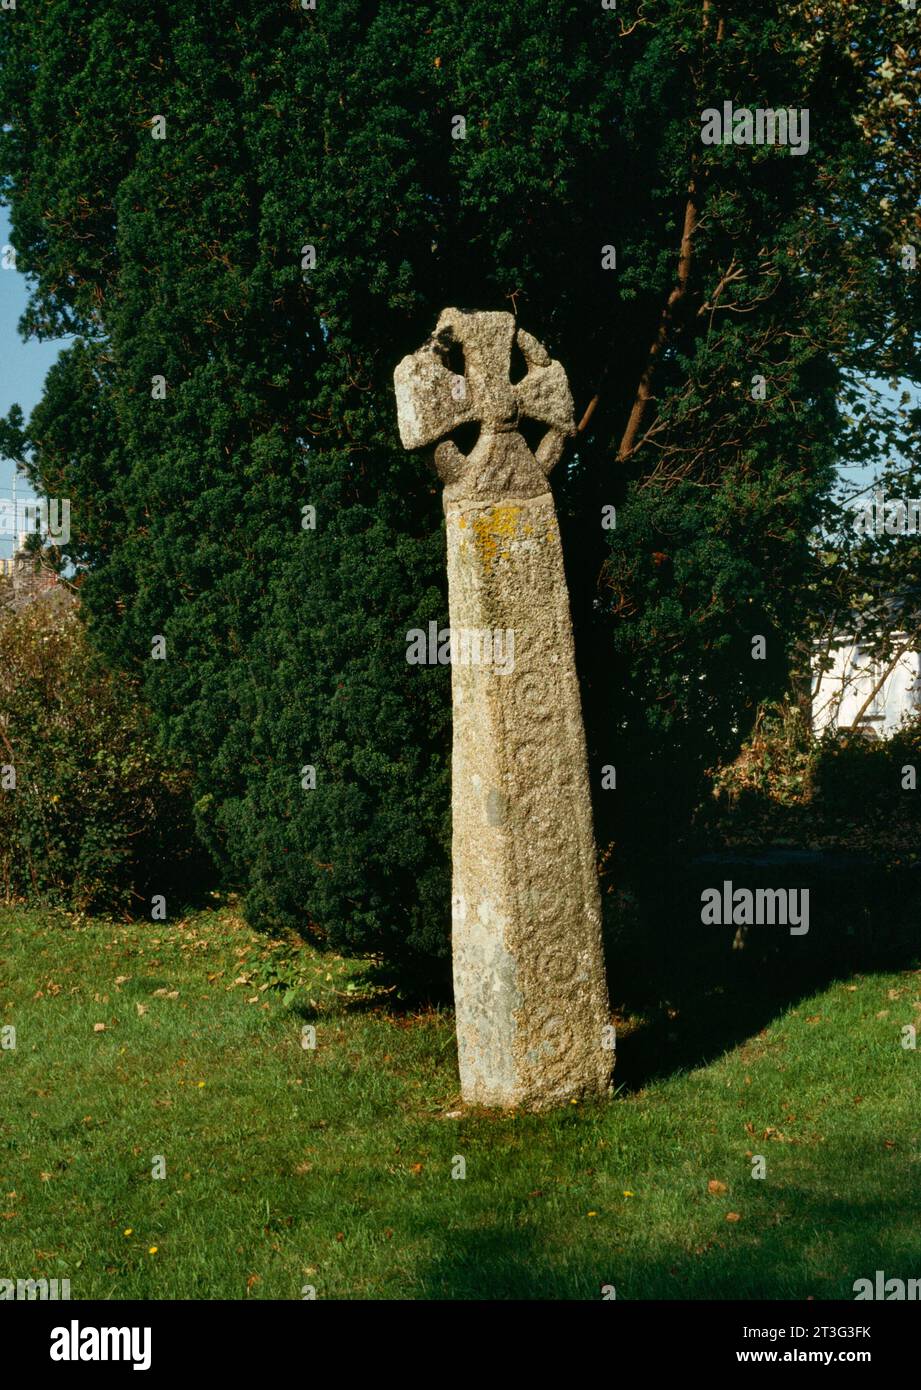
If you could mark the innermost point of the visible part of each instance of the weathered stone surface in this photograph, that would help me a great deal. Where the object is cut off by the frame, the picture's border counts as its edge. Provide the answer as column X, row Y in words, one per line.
column 529, row 983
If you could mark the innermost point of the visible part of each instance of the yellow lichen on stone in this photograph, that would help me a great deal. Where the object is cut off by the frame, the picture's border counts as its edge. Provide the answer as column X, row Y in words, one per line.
column 492, row 531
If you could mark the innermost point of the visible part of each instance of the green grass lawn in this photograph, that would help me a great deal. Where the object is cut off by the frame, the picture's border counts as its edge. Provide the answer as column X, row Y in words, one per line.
column 288, row 1166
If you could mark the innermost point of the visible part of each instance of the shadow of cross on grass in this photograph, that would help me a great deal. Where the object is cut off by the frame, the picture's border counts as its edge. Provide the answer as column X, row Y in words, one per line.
column 686, row 992
column 776, row 1255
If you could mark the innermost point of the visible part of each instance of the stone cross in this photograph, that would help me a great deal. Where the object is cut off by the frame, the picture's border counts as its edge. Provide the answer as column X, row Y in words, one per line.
column 529, row 983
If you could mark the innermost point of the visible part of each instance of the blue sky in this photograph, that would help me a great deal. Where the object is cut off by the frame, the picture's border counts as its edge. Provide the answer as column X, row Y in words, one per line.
column 23, row 365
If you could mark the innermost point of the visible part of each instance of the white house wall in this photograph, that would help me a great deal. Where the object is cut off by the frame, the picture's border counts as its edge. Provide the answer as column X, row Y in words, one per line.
column 839, row 693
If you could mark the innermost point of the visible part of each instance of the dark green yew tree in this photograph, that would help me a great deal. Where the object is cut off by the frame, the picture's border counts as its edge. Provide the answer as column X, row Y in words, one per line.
column 246, row 214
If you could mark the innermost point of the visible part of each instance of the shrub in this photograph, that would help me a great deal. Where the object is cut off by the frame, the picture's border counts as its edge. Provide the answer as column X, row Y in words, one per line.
column 91, row 816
